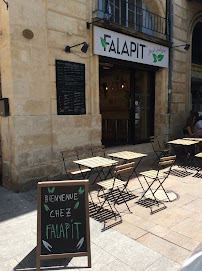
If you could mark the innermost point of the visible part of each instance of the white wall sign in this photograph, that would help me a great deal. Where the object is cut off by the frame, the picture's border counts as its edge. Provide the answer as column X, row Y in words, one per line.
column 116, row 45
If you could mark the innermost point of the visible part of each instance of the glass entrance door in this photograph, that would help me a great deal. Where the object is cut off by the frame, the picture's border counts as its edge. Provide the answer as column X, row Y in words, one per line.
column 142, row 109
column 114, row 104
column 126, row 104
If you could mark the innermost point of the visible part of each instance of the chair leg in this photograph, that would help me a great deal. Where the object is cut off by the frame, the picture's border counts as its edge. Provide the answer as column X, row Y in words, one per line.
column 121, row 194
column 155, row 160
column 106, row 199
column 161, row 185
column 157, row 202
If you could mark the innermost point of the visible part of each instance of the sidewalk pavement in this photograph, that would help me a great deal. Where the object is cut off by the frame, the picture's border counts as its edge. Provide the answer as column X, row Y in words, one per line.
column 111, row 250
column 142, row 242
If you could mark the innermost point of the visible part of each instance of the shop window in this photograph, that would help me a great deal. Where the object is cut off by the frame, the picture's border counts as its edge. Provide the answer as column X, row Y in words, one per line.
column 196, row 70
column 197, row 44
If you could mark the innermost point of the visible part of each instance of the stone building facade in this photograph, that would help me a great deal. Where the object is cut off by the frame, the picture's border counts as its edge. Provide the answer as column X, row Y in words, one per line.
column 33, row 134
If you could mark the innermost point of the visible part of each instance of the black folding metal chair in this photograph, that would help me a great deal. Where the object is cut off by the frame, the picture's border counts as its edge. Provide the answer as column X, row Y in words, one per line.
column 67, row 157
column 158, row 150
column 115, row 190
column 98, row 150
column 157, row 178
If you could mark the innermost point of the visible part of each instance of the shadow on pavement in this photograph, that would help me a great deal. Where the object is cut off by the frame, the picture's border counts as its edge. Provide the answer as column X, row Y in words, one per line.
column 29, row 263
column 16, row 204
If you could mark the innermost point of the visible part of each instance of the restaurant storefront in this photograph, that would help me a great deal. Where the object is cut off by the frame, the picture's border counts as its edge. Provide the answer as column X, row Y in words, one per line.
column 127, row 69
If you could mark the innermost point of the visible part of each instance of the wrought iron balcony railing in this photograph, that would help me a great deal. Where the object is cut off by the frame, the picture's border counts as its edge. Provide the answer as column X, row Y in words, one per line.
column 136, row 17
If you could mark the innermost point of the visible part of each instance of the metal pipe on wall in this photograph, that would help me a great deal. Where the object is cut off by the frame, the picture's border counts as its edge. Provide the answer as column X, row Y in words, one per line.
column 169, row 4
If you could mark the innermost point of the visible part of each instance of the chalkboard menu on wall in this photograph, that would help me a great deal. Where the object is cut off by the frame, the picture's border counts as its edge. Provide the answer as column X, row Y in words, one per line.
column 70, row 85
column 63, row 220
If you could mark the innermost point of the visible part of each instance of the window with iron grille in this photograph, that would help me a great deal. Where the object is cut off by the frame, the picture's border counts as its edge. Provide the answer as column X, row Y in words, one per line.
column 133, row 14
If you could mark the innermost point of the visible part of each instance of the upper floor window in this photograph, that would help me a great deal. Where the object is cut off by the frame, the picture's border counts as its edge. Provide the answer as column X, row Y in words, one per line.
column 133, row 14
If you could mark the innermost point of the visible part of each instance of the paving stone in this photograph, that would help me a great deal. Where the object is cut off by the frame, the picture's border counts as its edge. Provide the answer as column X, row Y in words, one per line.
column 164, row 264
column 194, row 205
column 130, row 230
column 164, row 247
column 189, row 228
column 100, row 259
column 126, row 249
column 139, row 222
column 159, row 230
column 8, row 265
column 196, row 216
column 181, row 240
column 118, row 265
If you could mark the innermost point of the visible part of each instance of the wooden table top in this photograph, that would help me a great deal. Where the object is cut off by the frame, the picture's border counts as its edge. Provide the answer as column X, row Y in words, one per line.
column 193, row 138
column 183, row 142
column 97, row 161
column 199, row 155
column 127, row 155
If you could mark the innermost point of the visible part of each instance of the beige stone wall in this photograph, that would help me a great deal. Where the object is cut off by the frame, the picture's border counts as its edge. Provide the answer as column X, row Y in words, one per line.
column 183, row 15
column 34, row 135
column 7, row 135
column 66, row 25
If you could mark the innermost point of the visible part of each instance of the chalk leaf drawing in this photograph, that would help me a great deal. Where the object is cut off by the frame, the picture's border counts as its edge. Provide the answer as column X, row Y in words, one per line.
column 76, row 205
column 80, row 243
column 46, row 207
column 81, row 191
column 51, row 190
column 47, row 245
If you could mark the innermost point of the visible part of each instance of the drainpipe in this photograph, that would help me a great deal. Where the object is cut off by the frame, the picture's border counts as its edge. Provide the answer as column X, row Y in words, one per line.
column 170, row 65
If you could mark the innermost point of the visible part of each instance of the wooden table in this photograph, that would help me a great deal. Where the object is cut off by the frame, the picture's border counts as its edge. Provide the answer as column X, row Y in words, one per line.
column 184, row 152
column 184, row 142
column 193, row 138
column 97, row 163
column 128, row 156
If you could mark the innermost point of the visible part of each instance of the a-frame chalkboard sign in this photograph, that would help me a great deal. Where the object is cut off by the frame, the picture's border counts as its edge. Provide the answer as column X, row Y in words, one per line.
column 62, row 220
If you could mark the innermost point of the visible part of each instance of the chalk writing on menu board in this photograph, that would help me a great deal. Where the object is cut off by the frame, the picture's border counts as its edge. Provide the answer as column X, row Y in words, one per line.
column 70, row 84
column 63, row 220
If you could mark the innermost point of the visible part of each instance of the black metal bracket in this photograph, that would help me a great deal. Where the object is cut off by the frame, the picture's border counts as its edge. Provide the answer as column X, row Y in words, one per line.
column 106, row 22
column 186, row 46
column 6, row 4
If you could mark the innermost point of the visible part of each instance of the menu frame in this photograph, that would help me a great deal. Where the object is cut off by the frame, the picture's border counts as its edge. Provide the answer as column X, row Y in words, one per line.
column 70, row 86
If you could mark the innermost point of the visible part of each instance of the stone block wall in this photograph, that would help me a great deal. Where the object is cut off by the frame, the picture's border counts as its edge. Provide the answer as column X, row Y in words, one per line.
column 33, row 135
column 184, row 13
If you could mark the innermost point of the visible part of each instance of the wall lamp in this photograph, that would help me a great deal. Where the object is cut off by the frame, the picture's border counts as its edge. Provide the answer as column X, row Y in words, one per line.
column 186, row 46
column 84, row 48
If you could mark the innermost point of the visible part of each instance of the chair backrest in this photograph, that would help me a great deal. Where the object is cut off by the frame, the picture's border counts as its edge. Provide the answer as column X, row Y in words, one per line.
column 152, row 142
column 167, row 161
column 98, row 150
column 122, row 169
column 156, row 145
column 151, row 139
column 70, row 153
column 66, row 154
